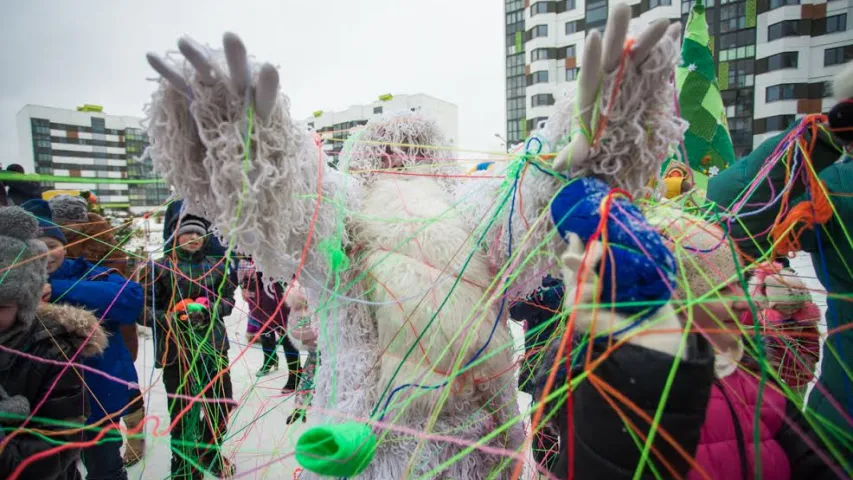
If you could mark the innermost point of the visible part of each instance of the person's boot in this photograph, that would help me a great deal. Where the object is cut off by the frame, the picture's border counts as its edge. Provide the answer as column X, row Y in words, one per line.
column 291, row 385
column 296, row 415
column 267, row 368
column 223, row 467
column 134, row 447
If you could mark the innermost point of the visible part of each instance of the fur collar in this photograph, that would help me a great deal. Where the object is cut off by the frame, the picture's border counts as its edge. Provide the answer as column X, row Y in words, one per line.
column 76, row 323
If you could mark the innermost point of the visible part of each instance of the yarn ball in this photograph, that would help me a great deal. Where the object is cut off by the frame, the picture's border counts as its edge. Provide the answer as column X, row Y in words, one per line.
column 642, row 270
column 343, row 450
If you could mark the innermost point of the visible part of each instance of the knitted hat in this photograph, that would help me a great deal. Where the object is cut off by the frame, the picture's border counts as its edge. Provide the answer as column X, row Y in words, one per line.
column 47, row 227
column 23, row 261
column 641, row 267
column 68, row 209
column 192, row 224
column 706, row 260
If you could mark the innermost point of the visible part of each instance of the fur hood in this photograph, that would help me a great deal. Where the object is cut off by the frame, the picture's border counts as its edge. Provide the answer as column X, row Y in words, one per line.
column 77, row 324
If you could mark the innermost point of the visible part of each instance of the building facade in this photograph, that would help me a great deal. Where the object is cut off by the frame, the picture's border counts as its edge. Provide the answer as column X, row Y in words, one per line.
column 774, row 57
column 87, row 144
column 335, row 127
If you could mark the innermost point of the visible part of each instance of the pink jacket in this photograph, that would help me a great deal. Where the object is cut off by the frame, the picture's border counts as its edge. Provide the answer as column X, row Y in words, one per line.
column 721, row 450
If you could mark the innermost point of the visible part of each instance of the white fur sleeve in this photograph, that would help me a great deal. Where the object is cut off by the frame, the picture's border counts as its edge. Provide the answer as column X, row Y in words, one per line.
column 511, row 218
column 256, row 181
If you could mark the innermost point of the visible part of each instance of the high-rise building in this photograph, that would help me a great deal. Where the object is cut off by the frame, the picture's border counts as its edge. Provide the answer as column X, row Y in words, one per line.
column 774, row 57
column 335, row 127
column 86, row 144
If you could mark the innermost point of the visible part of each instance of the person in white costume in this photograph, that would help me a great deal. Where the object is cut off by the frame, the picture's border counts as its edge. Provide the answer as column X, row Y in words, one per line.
column 409, row 272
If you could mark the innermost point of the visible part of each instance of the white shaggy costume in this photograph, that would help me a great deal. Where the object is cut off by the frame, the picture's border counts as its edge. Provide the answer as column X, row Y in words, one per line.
column 428, row 256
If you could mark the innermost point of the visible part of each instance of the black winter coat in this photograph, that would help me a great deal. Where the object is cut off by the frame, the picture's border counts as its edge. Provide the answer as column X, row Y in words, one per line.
column 200, row 276
column 57, row 334
column 603, row 448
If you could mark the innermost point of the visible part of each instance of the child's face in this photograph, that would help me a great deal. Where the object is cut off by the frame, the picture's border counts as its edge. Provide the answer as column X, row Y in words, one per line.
column 8, row 313
column 721, row 311
column 191, row 242
column 55, row 254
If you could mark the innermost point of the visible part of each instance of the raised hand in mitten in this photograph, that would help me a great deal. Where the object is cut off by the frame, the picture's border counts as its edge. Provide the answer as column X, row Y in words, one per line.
column 208, row 74
column 222, row 135
column 624, row 92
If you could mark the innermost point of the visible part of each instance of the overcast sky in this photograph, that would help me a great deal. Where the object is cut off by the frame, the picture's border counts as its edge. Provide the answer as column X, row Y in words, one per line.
column 331, row 53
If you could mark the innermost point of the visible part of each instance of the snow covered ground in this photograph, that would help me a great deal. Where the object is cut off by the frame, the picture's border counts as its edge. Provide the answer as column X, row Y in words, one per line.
column 259, row 439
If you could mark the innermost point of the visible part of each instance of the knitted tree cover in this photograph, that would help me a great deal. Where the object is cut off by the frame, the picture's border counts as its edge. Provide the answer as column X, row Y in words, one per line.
column 707, row 141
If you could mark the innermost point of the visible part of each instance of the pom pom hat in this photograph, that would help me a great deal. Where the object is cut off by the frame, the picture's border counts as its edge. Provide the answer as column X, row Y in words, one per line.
column 69, row 209
column 641, row 267
column 23, row 261
column 46, row 226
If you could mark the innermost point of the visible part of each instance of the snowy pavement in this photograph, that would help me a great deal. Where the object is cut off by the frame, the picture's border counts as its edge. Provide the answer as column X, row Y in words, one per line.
column 259, row 441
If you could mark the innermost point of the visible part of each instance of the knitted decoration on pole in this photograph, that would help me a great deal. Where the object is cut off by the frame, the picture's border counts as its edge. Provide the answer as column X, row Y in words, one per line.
column 707, row 141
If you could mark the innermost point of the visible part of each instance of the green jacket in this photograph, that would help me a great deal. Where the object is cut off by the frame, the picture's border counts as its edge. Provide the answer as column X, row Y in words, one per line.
column 183, row 275
column 829, row 246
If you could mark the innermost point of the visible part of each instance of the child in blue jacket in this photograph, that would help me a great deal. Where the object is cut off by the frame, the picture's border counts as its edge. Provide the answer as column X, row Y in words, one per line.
column 116, row 302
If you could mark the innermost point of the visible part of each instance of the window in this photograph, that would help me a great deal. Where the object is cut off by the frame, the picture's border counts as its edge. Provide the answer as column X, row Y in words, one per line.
column 737, row 39
column 782, row 60
column 833, row 56
column 572, row 74
column 836, row 23
column 658, row 3
column 741, row 73
column 515, row 65
column 541, row 54
column 732, row 17
column 570, row 5
column 571, row 51
column 514, row 17
column 541, row 99
column 572, row 27
column 98, row 125
column 539, row 77
column 782, row 3
column 515, row 108
column 515, row 87
column 377, row 110
column 779, row 122
column 737, row 53
column 539, row 31
column 786, row 28
column 741, row 100
column 596, row 12
column 780, row 92
column 539, row 7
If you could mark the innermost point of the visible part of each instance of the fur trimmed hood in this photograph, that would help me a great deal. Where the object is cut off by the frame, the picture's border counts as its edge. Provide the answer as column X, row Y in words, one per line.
column 77, row 324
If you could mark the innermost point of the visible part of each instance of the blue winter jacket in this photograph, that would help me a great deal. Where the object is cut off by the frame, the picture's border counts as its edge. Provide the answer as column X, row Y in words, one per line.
column 115, row 301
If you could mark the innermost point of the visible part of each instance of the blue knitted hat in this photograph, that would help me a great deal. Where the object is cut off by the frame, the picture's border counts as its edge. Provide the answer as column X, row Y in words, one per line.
column 577, row 209
column 47, row 228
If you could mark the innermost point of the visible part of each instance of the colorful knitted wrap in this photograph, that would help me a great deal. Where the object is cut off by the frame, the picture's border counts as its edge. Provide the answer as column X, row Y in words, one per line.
column 641, row 269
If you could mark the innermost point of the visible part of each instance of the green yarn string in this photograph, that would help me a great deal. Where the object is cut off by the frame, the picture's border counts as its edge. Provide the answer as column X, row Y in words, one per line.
column 337, row 257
